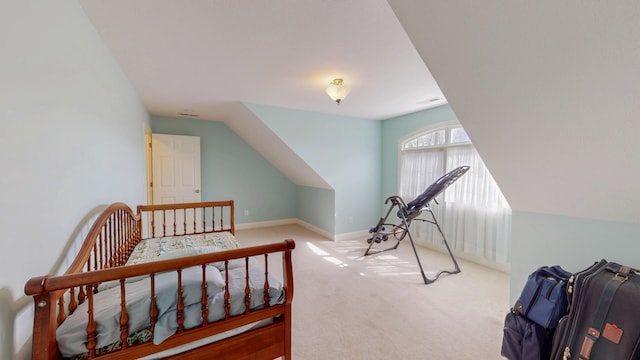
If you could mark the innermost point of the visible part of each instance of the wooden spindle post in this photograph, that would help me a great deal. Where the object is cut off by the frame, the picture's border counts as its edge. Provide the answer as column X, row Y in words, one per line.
column 266, row 281
column 175, row 227
column 91, row 325
column 153, row 308
column 180, row 306
column 247, row 288
column 227, row 296
column 205, row 299
column 124, row 317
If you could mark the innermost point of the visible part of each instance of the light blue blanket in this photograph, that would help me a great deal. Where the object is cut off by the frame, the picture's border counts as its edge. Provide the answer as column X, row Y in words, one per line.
column 72, row 336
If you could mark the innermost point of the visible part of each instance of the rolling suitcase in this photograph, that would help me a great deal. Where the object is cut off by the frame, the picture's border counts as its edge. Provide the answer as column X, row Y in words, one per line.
column 604, row 315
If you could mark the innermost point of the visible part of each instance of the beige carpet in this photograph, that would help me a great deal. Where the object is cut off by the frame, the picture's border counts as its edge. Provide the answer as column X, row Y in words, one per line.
column 348, row 306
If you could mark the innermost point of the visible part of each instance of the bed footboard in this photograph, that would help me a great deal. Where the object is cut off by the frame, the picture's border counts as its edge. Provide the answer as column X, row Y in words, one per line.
column 46, row 289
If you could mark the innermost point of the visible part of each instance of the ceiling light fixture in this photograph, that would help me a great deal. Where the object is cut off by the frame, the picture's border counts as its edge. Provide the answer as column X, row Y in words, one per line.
column 336, row 91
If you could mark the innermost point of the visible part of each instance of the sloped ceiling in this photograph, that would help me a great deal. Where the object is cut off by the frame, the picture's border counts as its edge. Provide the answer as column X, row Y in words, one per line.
column 195, row 56
column 549, row 92
column 254, row 131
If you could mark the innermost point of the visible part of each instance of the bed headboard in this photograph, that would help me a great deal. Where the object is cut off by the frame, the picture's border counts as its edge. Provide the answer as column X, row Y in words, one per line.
column 110, row 241
column 186, row 218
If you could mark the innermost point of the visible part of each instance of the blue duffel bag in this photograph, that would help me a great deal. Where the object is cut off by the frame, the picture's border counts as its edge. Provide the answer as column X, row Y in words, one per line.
column 544, row 297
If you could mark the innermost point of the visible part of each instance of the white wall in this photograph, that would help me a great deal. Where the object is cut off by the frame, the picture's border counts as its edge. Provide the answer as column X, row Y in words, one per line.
column 548, row 92
column 71, row 141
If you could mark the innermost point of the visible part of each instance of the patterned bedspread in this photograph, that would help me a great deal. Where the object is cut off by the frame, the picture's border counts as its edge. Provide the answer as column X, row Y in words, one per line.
column 150, row 249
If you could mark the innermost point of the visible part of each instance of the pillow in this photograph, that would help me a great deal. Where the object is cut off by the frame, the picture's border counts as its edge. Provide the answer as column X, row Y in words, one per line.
column 233, row 264
column 178, row 253
column 113, row 283
column 175, row 254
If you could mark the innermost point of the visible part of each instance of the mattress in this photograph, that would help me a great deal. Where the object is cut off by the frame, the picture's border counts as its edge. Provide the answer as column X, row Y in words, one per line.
column 71, row 334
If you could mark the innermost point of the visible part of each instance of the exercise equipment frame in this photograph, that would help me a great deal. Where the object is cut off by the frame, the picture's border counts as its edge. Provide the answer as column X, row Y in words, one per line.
column 407, row 213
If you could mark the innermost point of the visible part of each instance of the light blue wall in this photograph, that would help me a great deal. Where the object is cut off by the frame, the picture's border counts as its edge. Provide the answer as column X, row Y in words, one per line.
column 395, row 129
column 345, row 151
column 231, row 169
column 573, row 243
column 71, row 141
column 316, row 206
column 357, row 157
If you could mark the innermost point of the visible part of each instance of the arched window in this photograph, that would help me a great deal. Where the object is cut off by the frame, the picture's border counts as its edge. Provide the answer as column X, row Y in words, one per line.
column 473, row 213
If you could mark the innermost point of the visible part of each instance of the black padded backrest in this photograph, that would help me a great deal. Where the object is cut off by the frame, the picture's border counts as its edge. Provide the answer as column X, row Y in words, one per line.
column 433, row 190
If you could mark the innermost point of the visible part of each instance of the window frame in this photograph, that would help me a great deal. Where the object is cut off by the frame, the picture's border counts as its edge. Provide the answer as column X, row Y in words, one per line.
column 448, row 125
column 424, row 131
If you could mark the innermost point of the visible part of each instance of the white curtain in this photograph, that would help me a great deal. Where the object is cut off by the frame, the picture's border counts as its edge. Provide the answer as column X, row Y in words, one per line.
column 419, row 168
column 473, row 214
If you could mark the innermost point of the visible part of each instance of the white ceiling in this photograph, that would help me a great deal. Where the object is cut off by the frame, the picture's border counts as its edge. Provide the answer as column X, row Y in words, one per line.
column 197, row 56
column 547, row 90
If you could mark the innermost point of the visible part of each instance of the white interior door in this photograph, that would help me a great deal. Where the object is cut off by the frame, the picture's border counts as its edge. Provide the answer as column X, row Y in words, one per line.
column 176, row 175
column 176, row 168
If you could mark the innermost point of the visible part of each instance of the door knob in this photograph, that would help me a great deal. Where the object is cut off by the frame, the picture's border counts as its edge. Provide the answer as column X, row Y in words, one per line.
column 197, row 191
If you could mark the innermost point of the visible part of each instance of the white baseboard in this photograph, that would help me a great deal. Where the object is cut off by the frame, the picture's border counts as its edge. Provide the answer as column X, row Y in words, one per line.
column 335, row 237
column 261, row 224
column 315, row 229
column 506, row 268
column 269, row 223
column 306, row 225
column 360, row 234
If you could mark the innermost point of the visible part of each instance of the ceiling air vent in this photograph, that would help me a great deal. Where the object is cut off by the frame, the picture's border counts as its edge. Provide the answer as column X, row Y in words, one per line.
column 188, row 112
column 428, row 101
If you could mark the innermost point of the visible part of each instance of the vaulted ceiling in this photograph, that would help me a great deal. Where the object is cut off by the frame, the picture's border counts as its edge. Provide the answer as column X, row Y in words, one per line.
column 547, row 90
column 196, row 56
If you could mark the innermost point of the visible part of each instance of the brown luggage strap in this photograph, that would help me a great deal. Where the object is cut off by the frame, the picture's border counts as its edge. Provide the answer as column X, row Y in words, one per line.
column 609, row 292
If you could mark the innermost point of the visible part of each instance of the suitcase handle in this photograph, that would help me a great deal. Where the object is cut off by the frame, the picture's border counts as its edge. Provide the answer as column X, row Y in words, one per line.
column 606, row 298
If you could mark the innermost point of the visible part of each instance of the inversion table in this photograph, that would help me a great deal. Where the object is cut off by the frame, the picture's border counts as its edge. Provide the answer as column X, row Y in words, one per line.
column 407, row 213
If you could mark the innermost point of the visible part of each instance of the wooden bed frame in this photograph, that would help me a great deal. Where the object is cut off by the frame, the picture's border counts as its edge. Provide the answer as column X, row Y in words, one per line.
column 106, row 249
